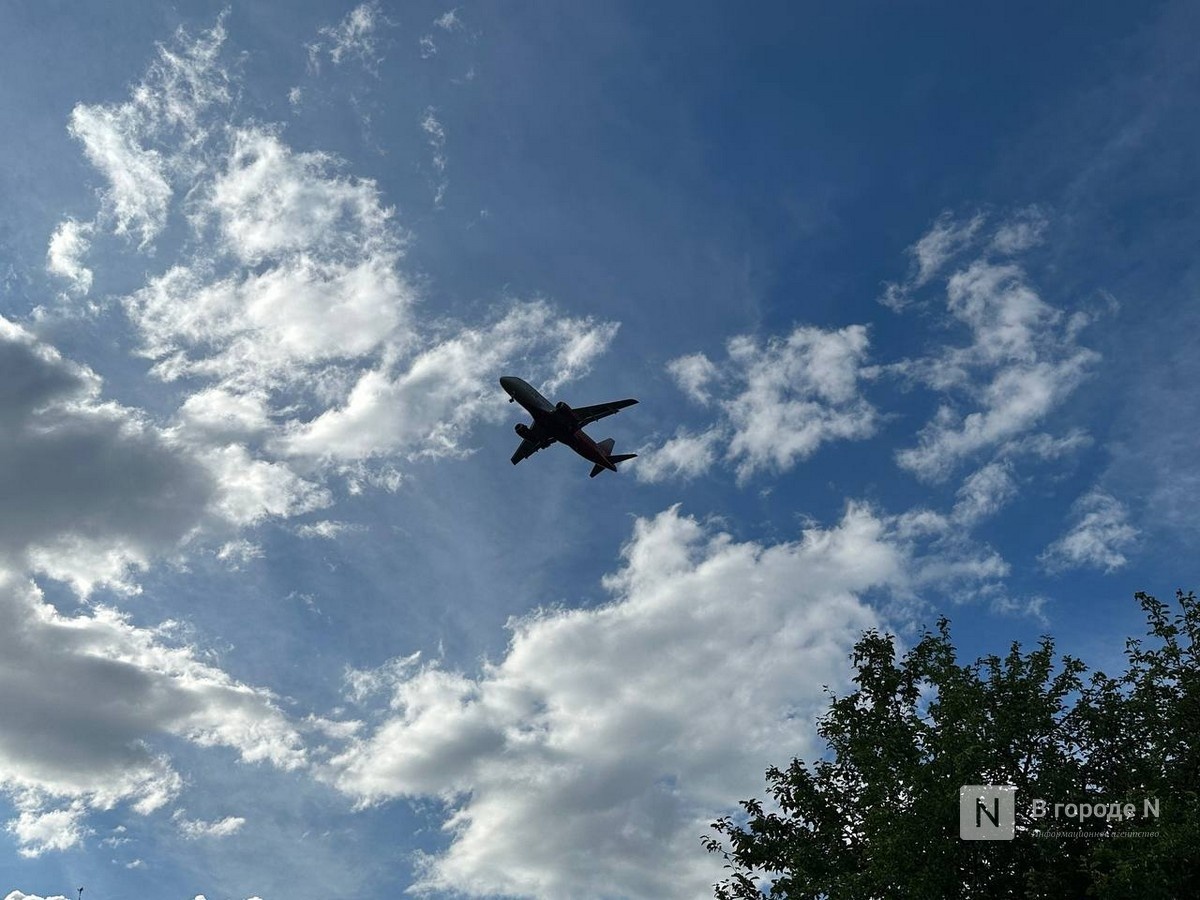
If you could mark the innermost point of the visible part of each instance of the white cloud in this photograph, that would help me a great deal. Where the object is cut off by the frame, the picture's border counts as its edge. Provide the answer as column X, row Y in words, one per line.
column 946, row 238
column 1021, row 232
column 250, row 490
column 984, row 492
column 782, row 401
column 268, row 330
column 86, row 697
column 427, row 406
column 1034, row 607
column 38, row 831
column 292, row 311
column 124, row 142
column 327, row 529
column 17, row 895
column 693, row 374
column 449, row 21
column 355, row 36
column 192, row 829
column 90, row 488
column 1099, row 538
column 272, row 201
column 1022, row 362
column 629, row 726
column 68, row 246
column 239, row 552
column 138, row 192
column 219, row 416
column 686, row 455
column 435, row 133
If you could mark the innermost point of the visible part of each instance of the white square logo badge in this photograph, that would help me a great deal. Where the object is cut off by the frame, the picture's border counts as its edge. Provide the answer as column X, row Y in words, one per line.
column 987, row 812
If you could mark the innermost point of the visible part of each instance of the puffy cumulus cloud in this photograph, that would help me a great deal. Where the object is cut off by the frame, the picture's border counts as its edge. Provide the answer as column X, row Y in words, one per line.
column 798, row 394
column 1099, row 536
column 17, row 895
column 38, row 832
column 1023, row 360
column 686, row 455
column 68, row 246
column 425, row 406
column 629, row 726
column 84, row 697
column 778, row 402
column 694, row 374
column 269, row 329
column 271, row 202
column 288, row 312
column 90, row 488
column 250, row 490
column 219, row 416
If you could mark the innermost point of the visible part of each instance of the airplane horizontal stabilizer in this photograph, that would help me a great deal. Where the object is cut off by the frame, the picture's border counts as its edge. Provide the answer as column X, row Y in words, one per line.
column 620, row 457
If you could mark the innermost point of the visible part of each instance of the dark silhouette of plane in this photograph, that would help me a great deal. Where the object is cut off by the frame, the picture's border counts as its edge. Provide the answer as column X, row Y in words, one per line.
column 561, row 423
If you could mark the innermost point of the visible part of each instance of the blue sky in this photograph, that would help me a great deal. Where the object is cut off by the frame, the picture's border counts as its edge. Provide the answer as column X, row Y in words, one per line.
column 908, row 295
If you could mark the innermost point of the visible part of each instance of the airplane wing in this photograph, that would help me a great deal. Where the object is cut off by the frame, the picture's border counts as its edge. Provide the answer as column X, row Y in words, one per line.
column 527, row 448
column 589, row 414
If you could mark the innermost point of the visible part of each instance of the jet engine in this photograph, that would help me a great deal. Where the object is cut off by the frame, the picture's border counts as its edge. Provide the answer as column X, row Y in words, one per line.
column 522, row 430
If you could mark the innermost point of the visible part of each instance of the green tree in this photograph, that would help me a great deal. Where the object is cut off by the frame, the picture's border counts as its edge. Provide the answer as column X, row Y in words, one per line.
column 877, row 816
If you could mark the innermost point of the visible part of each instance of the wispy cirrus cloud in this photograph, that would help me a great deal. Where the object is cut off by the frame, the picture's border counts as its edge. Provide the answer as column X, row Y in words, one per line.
column 435, row 134
column 195, row 829
column 356, row 36
column 141, row 145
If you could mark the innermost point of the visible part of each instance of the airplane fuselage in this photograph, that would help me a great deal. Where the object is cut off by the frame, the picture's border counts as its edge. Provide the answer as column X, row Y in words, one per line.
column 556, row 421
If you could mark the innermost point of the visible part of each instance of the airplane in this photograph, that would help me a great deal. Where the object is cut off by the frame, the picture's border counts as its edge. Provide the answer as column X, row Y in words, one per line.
column 560, row 423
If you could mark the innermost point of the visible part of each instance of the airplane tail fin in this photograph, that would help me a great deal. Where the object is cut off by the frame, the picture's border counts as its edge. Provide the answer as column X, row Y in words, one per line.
column 606, row 445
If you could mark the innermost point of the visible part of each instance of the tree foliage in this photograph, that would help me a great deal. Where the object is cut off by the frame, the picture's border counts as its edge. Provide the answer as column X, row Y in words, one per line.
column 877, row 816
